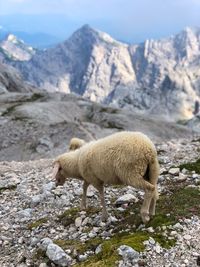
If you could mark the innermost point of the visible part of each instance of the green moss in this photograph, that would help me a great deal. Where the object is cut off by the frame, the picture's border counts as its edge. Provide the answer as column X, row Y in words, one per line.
column 109, row 255
column 68, row 217
column 191, row 166
column 40, row 255
column 109, row 110
column 35, row 97
column 37, row 223
column 12, row 187
column 169, row 210
column 10, row 110
column 114, row 124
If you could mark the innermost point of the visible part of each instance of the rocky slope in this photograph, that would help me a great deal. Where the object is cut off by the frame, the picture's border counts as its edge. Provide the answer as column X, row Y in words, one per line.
column 11, row 81
column 15, row 49
column 43, row 226
column 158, row 76
column 38, row 125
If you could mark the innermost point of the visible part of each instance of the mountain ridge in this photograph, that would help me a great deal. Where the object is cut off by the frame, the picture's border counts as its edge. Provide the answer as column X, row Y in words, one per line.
column 157, row 76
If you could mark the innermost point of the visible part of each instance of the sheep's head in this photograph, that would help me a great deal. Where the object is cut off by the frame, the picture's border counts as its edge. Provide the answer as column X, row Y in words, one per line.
column 76, row 143
column 58, row 175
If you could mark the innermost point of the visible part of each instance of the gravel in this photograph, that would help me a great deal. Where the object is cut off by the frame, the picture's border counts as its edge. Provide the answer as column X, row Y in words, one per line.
column 30, row 206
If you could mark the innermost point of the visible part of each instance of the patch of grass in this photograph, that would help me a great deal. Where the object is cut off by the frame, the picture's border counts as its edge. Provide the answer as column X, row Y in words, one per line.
column 9, row 110
column 35, row 97
column 40, row 255
column 179, row 203
column 37, row 223
column 109, row 110
column 191, row 166
column 113, row 124
column 12, row 187
column 109, row 255
column 68, row 217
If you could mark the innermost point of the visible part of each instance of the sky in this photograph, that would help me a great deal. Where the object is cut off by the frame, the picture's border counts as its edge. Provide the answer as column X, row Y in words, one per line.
column 127, row 20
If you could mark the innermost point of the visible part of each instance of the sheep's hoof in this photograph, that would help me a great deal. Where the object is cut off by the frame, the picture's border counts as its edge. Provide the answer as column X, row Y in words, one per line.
column 151, row 214
column 145, row 218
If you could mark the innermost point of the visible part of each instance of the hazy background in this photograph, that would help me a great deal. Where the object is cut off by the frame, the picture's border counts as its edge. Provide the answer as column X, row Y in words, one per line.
column 131, row 21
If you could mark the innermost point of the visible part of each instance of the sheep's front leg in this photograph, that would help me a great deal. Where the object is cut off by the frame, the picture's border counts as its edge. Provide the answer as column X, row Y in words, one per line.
column 146, row 205
column 83, row 201
column 102, row 198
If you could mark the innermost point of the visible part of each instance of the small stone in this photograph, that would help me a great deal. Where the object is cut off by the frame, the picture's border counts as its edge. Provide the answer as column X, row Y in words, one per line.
column 85, row 221
column 48, row 187
column 150, row 230
column 57, row 255
column 82, row 257
column 128, row 198
column 187, row 237
column 91, row 191
column 152, row 241
column 37, row 199
column 157, row 249
column 25, row 214
column 21, row 240
column 44, row 243
column 98, row 249
column 174, row 171
column 43, row 264
column 78, row 222
column 181, row 178
column 127, row 253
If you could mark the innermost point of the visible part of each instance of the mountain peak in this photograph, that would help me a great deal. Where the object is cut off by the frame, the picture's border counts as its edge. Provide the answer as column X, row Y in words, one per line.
column 86, row 31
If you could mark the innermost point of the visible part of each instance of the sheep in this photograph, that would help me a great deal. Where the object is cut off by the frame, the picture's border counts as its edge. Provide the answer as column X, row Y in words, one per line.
column 76, row 143
column 128, row 158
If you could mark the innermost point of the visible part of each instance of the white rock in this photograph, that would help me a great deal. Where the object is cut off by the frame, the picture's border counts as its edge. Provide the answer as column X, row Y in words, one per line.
column 57, row 255
column 37, row 199
column 187, row 237
column 181, row 177
column 48, row 187
column 152, row 241
column 174, row 171
column 127, row 252
column 82, row 257
column 150, row 230
column 44, row 243
column 26, row 213
column 128, row 198
column 78, row 222
column 98, row 249
column 43, row 264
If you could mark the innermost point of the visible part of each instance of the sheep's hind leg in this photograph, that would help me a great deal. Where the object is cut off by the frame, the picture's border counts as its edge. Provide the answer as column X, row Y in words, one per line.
column 140, row 183
column 100, row 188
column 152, row 207
column 146, row 206
column 83, row 201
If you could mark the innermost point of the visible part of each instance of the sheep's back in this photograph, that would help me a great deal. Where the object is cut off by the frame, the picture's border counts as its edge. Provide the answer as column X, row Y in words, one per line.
column 108, row 158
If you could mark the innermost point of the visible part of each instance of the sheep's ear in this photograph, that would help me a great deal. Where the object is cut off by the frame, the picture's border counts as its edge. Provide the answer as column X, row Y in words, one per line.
column 56, row 169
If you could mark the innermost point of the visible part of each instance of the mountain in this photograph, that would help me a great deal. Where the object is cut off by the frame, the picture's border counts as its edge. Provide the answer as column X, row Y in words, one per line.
column 11, row 81
column 15, row 49
column 155, row 77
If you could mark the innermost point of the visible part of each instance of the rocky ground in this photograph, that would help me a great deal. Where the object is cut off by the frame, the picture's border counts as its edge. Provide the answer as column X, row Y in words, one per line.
column 41, row 225
column 40, row 125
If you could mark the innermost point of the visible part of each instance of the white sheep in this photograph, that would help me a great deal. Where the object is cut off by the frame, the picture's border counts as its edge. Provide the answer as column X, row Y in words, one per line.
column 128, row 158
column 76, row 143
